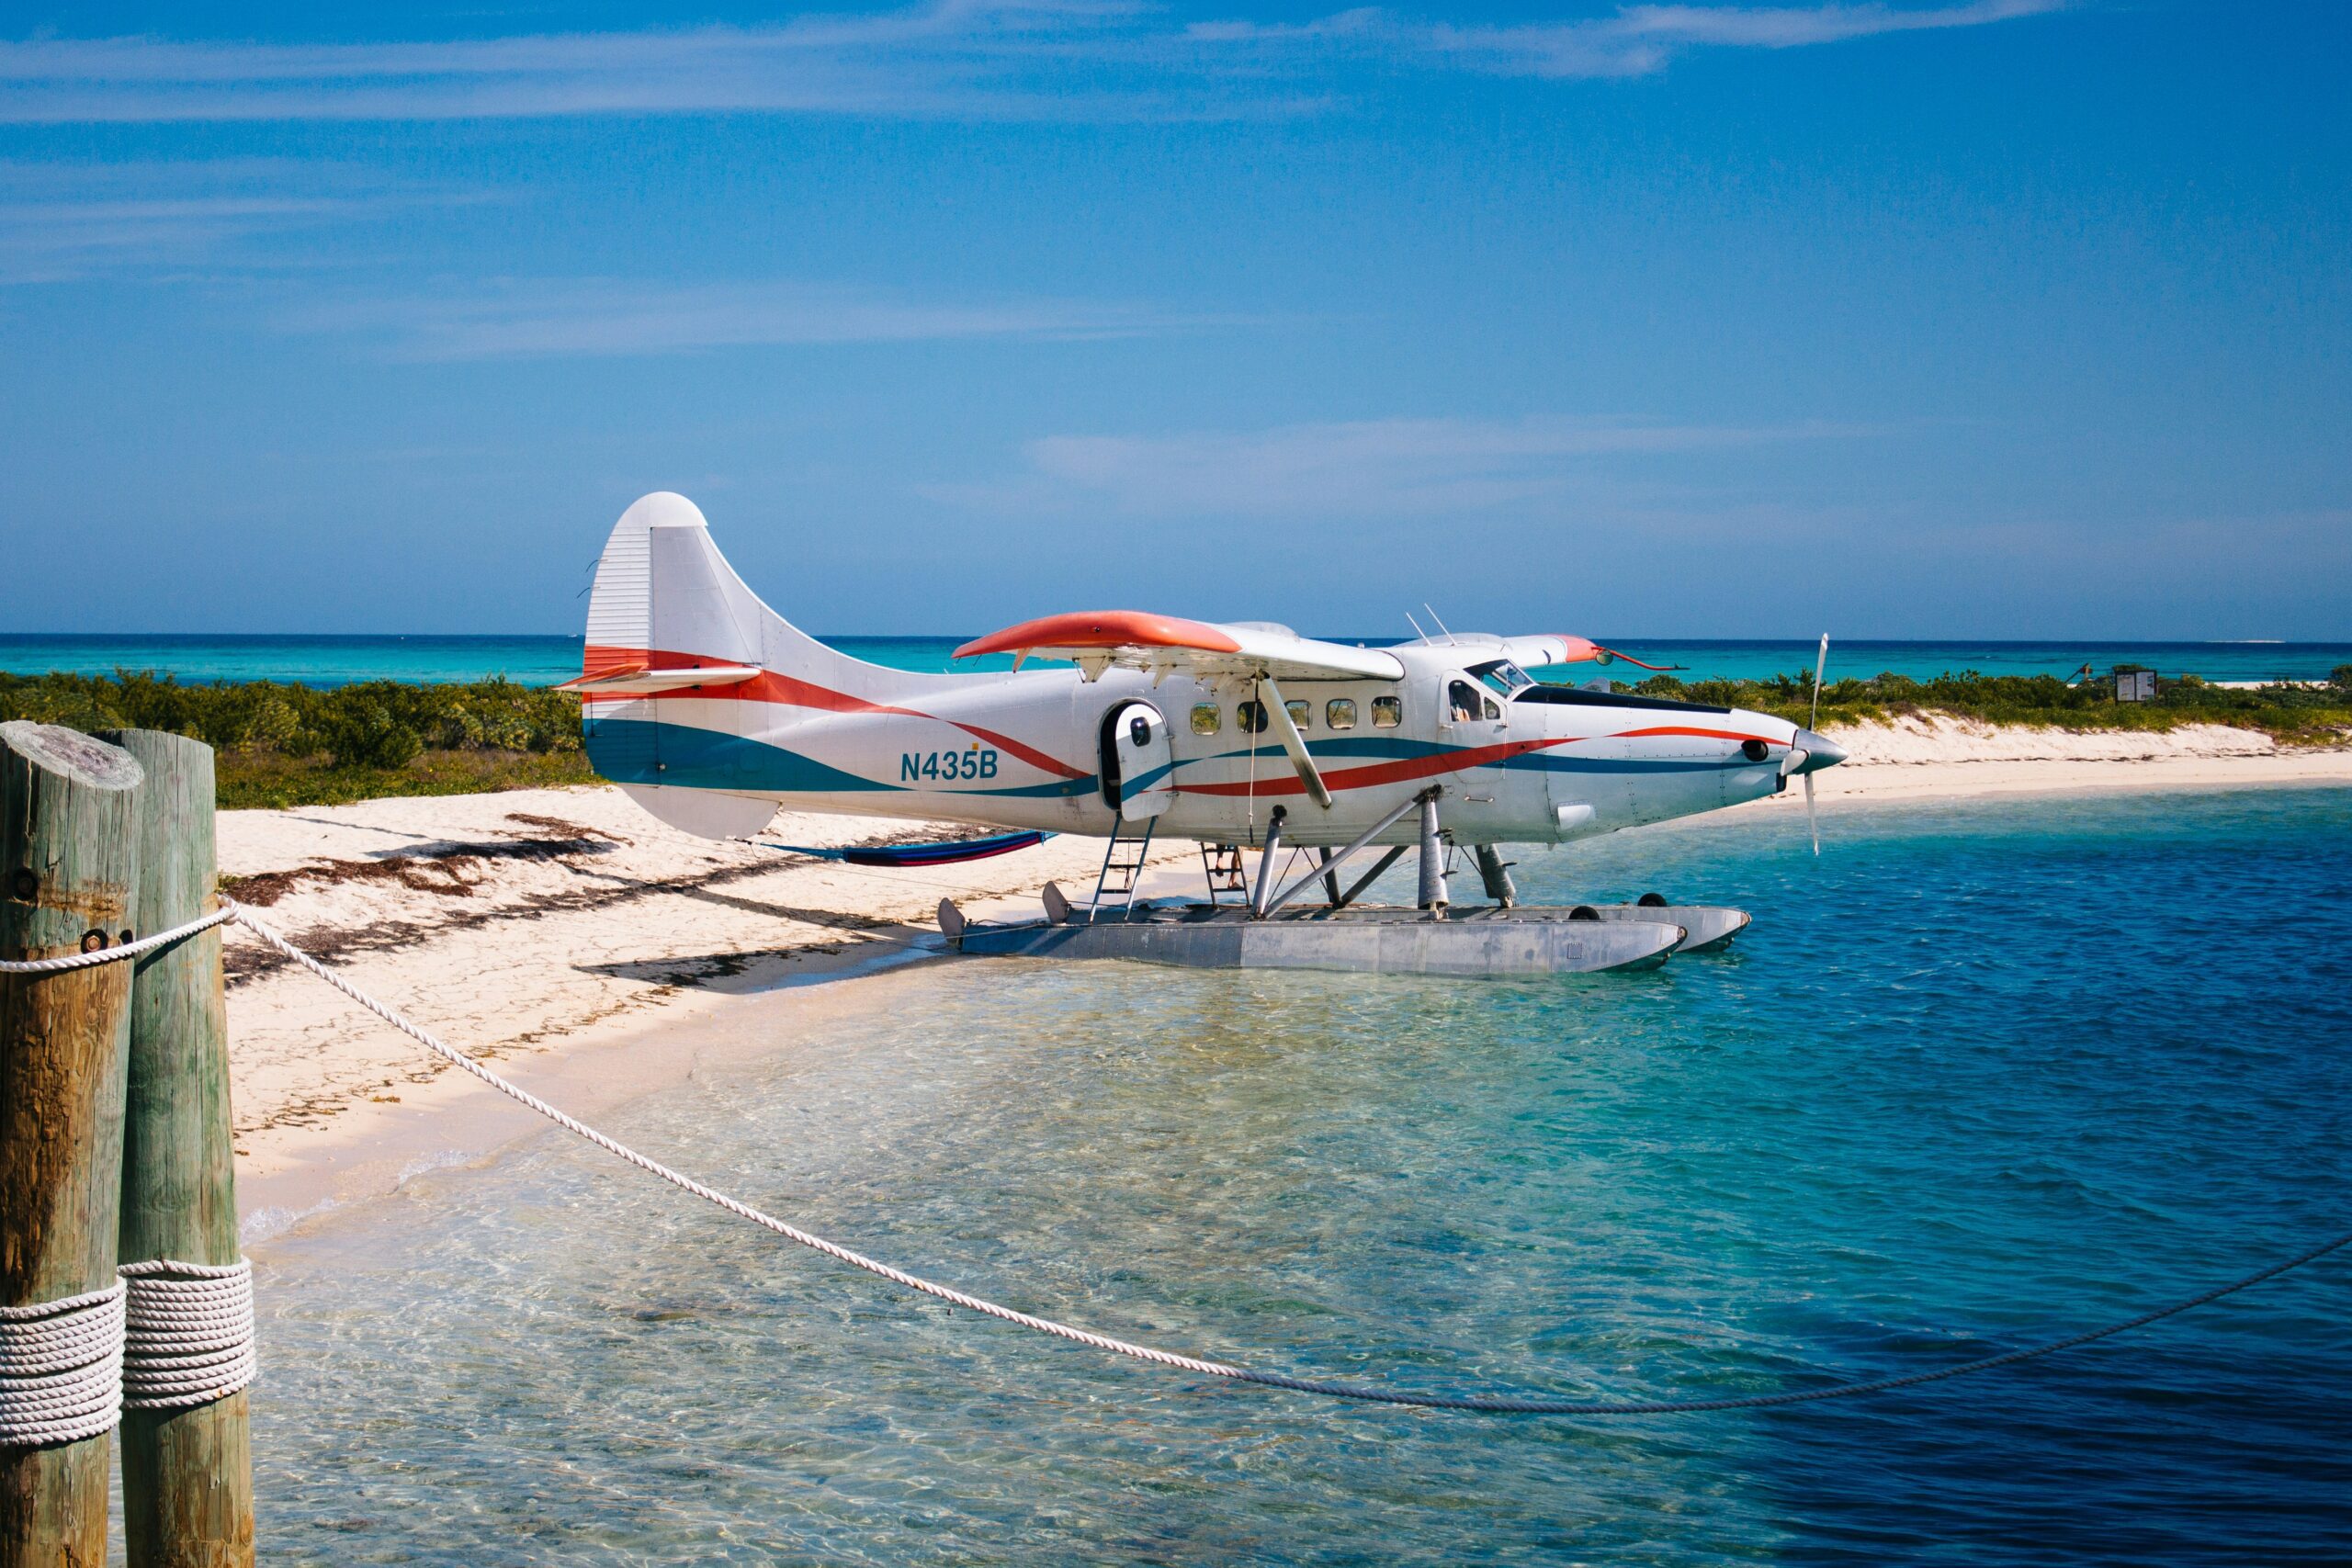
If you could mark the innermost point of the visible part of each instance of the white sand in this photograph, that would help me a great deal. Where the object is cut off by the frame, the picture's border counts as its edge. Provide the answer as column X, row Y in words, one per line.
column 570, row 936
column 1946, row 758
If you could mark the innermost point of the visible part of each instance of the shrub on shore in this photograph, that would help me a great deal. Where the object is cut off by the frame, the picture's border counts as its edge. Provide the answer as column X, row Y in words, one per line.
column 281, row 744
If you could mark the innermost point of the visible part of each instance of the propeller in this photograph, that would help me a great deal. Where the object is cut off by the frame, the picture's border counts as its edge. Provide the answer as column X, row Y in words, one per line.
column 1799, row 756
column 1812, row 723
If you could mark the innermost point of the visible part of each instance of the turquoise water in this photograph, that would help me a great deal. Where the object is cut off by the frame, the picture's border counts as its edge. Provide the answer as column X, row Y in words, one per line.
column 1980, row 1075
column 542, row 660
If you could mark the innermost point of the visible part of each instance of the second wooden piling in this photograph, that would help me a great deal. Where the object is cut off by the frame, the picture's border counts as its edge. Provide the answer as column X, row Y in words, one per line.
column 187, row 1473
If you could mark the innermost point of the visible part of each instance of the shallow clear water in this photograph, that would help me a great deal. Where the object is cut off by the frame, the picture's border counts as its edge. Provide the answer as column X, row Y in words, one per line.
column 1981, row 1075
column 542, row 660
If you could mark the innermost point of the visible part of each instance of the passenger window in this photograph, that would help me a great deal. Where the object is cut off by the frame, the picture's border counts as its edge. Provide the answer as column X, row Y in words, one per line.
column 1340, row 713
column 1251, row 716
column 1387, row 713
column 1205, row 719
column 1301, row 713
column 1460, row 702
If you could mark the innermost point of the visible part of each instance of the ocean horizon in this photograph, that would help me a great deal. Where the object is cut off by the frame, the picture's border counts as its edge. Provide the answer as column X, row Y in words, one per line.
column 337, row 660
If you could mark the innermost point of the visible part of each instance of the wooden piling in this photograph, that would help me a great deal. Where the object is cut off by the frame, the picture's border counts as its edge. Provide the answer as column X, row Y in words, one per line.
column 69, row 864
column 186, row 1474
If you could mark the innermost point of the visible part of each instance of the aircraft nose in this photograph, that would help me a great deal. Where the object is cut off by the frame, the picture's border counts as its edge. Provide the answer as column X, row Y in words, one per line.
column 1819, row 750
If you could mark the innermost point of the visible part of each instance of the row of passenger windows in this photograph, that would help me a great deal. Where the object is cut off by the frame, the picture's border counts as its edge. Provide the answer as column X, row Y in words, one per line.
column 1340, row 713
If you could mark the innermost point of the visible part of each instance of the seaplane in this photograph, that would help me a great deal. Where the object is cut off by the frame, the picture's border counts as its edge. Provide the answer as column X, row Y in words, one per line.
column 712, row 712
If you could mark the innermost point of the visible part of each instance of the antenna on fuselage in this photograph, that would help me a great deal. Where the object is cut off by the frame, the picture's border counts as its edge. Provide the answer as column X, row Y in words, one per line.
column 1417, row 626
column 1440, row 621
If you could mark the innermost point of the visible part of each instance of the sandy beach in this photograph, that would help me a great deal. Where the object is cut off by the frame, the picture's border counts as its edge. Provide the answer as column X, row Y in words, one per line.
column 594, row 952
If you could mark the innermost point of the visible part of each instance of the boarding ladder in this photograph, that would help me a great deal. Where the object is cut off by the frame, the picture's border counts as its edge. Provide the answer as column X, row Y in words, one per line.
column 1226, row 871
column 1123, row 860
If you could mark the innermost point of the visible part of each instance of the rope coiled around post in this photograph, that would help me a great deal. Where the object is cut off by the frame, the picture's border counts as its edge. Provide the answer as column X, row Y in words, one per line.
column 1499, row 1404
column 165, row 1335
column 189, row 1333
column 61, row 1369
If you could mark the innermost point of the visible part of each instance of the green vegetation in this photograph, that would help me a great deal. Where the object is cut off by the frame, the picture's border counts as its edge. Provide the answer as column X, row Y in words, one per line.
column 2295, row 714
column 287, row 745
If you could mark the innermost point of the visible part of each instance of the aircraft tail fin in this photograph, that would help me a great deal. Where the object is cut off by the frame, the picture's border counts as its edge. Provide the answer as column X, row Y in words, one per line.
column 667, row 600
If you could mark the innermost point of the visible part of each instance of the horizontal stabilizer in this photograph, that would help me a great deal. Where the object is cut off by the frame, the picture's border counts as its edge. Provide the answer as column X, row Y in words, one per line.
column 952, row 852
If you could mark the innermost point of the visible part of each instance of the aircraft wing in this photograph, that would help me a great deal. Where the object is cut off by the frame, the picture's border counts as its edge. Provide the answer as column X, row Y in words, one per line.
column 1536, row 651
column 1134, row 639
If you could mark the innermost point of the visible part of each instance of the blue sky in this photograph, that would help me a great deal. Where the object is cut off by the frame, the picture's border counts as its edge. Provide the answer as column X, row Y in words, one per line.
column 1988, row 317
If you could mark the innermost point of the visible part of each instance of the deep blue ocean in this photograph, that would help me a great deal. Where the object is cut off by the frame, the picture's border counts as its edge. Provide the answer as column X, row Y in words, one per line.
column 542, row 660
column 1981, row 1075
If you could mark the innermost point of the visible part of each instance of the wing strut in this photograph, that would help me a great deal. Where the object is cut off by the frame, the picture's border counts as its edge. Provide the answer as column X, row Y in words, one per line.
column 1269, row 699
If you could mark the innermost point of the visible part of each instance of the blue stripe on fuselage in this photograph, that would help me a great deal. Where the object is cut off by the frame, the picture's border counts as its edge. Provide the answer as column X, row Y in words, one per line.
column 624, row 751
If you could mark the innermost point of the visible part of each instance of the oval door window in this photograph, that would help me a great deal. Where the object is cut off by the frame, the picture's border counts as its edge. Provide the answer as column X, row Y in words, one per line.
column 1137, row 762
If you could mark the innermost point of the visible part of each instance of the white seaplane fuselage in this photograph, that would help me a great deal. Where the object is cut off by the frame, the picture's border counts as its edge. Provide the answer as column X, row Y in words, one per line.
column 786, row 721
column 1029, row 750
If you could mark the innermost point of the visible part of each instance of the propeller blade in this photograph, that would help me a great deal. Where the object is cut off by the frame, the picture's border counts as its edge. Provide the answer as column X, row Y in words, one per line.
column 1797, row 758
column 1810, row 819
column 1819, row 665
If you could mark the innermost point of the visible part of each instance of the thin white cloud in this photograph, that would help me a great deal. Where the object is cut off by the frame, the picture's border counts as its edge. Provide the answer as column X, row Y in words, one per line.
column 1016, row 59
column 572, row 318
column 1640, row 39
column 1635, row 41
column 61, row 223
column 1387, row 467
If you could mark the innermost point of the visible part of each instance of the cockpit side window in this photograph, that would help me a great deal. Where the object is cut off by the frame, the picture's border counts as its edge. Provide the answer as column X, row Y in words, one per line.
column 1462, row 701
column 1502, row 677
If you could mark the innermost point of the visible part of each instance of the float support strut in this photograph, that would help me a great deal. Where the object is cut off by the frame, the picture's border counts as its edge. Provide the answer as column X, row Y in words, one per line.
column 1369, row 877
column 1434, row 897
column 1496, row 876
column 1329, row 868
column 1260, row 895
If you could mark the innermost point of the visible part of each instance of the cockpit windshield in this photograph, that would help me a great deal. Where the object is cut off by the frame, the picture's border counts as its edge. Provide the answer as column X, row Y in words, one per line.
column 1503, row 677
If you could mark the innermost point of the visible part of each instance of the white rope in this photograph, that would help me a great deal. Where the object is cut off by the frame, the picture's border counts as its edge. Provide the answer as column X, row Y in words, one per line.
column 189, row 1333
column 61, row 1369
column 221, row 915
column 458, row 1059
column 1502, row 1403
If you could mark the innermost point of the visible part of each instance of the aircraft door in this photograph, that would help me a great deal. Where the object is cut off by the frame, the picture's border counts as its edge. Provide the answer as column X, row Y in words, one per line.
column 1138, row 761
column 1468, row 714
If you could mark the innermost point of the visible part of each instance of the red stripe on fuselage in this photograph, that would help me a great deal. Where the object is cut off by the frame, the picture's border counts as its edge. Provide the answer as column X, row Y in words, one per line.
column 1411, row 768
column 768, row 686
